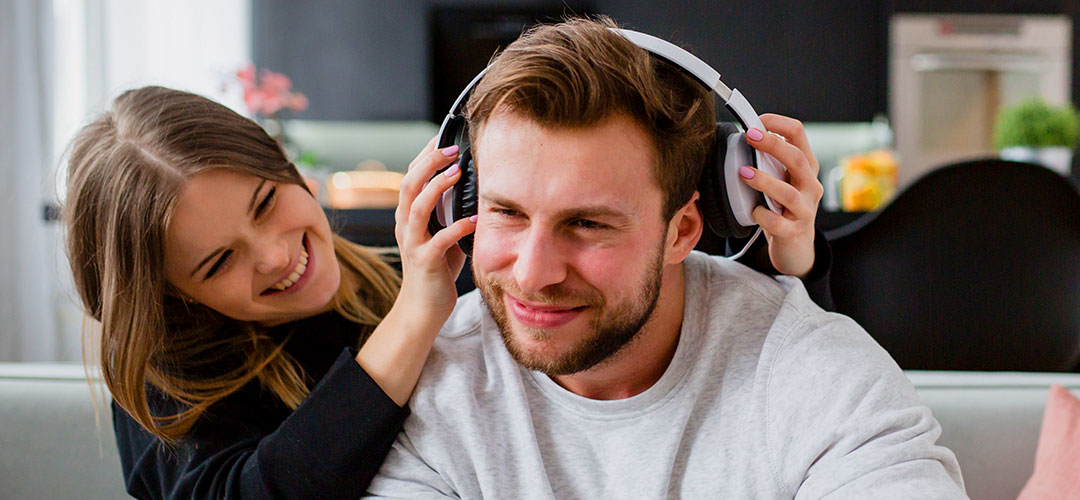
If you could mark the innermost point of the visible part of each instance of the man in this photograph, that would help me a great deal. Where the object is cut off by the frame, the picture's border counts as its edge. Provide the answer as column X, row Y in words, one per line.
column 602, row 358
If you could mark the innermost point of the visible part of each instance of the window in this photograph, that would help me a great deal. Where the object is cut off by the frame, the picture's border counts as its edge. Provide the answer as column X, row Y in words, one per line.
column 103, row 47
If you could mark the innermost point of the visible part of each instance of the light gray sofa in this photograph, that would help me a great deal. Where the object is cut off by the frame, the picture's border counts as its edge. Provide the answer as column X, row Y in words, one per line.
column 52, row 448
column 51, row 444
column 991, row 421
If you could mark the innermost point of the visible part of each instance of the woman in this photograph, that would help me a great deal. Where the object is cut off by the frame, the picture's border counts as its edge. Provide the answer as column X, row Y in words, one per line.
column 231, row 315
column 223, row 298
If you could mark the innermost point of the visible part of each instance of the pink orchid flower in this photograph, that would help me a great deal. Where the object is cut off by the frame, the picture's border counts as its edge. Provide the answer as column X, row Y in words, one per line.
column 246, row 76
column 266, row 92
column 299, row 102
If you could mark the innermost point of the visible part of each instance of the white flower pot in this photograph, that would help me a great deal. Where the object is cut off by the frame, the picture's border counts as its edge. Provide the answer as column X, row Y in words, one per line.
column 1058, row 159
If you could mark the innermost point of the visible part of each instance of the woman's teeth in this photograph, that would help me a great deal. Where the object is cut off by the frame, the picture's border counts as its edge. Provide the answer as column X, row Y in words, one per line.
column 296, row 274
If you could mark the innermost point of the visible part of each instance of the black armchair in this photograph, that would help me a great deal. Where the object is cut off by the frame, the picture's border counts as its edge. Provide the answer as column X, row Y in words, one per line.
column 975, row 266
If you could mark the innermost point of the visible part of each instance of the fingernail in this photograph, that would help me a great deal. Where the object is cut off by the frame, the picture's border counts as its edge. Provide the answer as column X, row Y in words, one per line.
column 452, row 170
column 746, row 172
column 450, row 151
column 755, row 134
column 473, row 218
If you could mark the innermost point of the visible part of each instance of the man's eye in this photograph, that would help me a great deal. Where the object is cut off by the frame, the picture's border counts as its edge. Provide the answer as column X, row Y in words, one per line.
column 266, row 201
column 505, row 212
column 587, row 224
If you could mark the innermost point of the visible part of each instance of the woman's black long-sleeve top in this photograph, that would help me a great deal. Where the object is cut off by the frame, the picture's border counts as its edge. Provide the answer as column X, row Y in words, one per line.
column 252, row 446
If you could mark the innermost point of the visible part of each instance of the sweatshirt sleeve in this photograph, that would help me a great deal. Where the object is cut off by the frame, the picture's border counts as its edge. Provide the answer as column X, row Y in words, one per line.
column 330, row 447
column 844, row 422
column 407, row 477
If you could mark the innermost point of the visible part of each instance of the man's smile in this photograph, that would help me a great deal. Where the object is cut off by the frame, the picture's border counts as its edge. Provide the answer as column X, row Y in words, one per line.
column 539, row 315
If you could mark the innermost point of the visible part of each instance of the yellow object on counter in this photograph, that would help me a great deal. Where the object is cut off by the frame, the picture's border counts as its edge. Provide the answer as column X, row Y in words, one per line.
column 869, row 180
column 364, row 189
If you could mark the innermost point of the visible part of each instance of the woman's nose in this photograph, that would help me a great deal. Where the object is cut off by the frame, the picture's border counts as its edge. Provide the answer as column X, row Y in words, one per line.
column 271, row 255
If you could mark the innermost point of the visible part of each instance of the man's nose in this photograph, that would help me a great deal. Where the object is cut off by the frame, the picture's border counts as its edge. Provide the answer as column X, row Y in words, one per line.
column 539, row 261
column 271, row 254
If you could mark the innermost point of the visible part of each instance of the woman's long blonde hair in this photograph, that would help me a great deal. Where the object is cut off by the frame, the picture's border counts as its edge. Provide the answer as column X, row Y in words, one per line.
column 125, row 173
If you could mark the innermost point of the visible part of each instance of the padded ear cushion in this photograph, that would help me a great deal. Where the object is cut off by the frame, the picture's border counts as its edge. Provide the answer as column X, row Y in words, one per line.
column 466, row 195
column 715, row 207
column 711, row 200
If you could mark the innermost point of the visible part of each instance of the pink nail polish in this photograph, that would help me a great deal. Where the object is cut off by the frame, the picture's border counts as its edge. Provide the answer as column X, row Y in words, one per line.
column 473, row 218
column 452, row 170
column 450, row 151
column 746, row 172
column 755, row 134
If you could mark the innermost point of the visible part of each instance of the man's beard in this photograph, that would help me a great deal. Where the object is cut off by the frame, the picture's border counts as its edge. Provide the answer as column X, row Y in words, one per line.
column 608, row 332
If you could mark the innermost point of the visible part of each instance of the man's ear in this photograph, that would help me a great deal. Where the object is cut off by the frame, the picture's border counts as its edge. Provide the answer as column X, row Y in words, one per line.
column 683, row 231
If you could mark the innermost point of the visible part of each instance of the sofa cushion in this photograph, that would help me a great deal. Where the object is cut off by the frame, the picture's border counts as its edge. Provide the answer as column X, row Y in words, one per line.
column 991, row 421
column 1058, row 457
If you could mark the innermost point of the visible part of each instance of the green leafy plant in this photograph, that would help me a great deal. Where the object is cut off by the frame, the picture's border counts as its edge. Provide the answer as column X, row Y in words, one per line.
column 1034, row 123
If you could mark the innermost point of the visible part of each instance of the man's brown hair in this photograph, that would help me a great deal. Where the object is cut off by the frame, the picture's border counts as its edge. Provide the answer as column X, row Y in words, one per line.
column 579, row 72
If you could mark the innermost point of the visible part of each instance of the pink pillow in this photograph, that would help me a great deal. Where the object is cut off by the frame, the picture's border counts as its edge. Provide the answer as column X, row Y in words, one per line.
column 1057, row 463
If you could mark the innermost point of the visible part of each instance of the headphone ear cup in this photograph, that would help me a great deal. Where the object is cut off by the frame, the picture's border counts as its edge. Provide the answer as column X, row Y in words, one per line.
column 466, row 196
column 715, row 205
column 452, row 132
column 710, row 199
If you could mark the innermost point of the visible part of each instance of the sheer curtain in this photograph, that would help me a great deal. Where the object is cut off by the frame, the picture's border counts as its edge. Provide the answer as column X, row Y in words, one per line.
column 27, row 277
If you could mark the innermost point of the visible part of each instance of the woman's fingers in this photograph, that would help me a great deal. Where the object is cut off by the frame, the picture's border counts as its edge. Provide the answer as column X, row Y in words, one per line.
column 794, row 201
column 424, row 203
column 421, row 170
column 446, row 239
column 775, row 224
column 438, row 253
column 793, row 131
column 800, row 170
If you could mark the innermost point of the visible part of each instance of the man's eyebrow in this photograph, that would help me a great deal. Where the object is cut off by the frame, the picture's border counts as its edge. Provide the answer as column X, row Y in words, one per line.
column 204, row 261
column 500, row 201
column 255, row 195
column 585, row 212
column 597, row 212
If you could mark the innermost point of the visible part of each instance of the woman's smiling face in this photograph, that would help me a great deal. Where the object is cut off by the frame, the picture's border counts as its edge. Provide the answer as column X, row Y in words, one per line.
column 250, row 248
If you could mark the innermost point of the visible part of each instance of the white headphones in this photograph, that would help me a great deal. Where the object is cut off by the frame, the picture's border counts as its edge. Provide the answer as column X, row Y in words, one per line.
column 726, row 202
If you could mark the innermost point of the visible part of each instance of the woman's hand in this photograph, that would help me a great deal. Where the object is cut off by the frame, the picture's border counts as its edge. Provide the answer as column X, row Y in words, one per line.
column 394, row 354
column 430, row 263
column 790, row 233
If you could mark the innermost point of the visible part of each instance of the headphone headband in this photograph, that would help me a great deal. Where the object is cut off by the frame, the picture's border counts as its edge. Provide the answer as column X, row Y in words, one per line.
column 694, row 66
column 697, row 68
column 701, row 71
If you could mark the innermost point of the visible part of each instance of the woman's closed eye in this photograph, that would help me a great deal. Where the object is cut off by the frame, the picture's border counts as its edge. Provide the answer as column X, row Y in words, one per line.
column 221, row 264
column 266, row 202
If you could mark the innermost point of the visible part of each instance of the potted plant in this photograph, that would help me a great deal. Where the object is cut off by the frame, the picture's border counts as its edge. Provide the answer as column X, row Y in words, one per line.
column 1034, row 131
